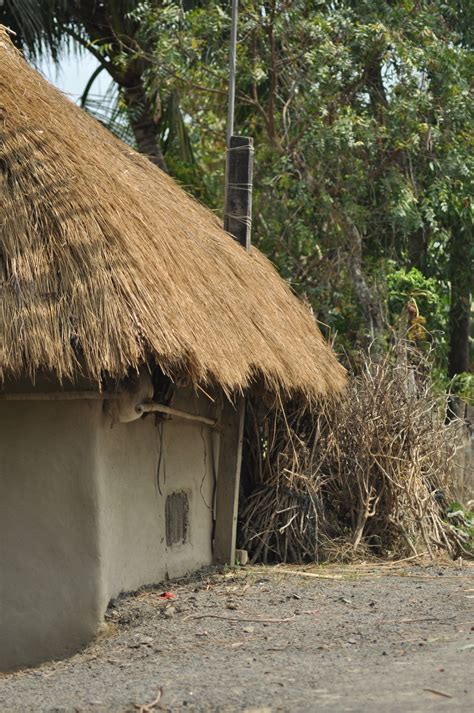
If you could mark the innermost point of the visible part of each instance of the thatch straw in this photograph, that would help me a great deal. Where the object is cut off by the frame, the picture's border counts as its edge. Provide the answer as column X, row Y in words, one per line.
column 105, row 263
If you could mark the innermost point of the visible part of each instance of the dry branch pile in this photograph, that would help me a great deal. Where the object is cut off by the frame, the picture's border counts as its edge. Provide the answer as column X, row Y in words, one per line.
column 371, row 473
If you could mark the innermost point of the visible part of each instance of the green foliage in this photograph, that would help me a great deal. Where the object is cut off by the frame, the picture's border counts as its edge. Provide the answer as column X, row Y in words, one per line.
column 363, row 122
column 362, row 115
column 463, row 385
column 461, row 520
column 429, row 299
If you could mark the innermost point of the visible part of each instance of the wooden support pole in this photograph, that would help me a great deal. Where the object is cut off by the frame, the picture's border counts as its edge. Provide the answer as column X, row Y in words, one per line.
column 228, row 480
column 238, row 199
column 237, row 222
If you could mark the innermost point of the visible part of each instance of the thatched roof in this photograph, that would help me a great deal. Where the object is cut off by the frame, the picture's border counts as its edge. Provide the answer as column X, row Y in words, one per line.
column 106, row 263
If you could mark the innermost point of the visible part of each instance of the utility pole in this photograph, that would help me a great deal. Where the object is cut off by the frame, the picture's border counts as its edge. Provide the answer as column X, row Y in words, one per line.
column 237, row 222
column 232, row 69
column 239, row 162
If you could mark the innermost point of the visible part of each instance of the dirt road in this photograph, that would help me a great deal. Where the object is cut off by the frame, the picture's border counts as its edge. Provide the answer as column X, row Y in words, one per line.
column 366, row 638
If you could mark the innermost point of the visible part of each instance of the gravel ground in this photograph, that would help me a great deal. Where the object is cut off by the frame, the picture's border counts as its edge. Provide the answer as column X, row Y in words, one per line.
column 356, row 638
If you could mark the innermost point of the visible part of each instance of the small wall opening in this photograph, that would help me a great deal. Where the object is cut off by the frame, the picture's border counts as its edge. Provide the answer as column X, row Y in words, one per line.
column 177, row 518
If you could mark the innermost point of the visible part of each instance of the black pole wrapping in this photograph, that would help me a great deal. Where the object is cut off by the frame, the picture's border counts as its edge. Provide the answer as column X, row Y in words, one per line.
column 238, row 200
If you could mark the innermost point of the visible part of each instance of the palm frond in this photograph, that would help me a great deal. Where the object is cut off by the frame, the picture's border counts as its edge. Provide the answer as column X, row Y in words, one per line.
column 38, row 24
column 111, row 112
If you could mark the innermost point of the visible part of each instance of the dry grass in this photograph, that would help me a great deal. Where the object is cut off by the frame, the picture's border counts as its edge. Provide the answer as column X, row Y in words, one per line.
column 105, row 263
column 369, row 475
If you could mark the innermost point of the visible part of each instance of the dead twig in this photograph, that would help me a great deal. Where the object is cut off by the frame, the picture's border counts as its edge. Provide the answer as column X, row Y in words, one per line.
column 150, row 707
column 437, row 693
column 300, row 573
column 238, row 619
column 412, row 621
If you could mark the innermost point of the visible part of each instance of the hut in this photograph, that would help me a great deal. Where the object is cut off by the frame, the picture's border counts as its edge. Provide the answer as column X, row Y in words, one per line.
column 131, row 326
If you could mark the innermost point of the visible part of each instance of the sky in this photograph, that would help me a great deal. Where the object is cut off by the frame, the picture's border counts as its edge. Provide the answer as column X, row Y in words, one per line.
column 72, row 74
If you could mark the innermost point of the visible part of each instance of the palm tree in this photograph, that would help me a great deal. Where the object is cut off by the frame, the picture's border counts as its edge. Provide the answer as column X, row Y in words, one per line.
column 107, row 29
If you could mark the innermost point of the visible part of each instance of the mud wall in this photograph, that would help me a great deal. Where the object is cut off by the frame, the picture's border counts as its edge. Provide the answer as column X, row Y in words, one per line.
column 89, row 509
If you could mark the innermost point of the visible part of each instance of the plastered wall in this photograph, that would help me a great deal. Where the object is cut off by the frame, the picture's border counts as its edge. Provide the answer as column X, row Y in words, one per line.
column 140, row 463
column 82, row 516
column 50, row 582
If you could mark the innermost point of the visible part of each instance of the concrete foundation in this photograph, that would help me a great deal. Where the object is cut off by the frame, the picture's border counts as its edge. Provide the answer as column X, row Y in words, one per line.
column 82, row 516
